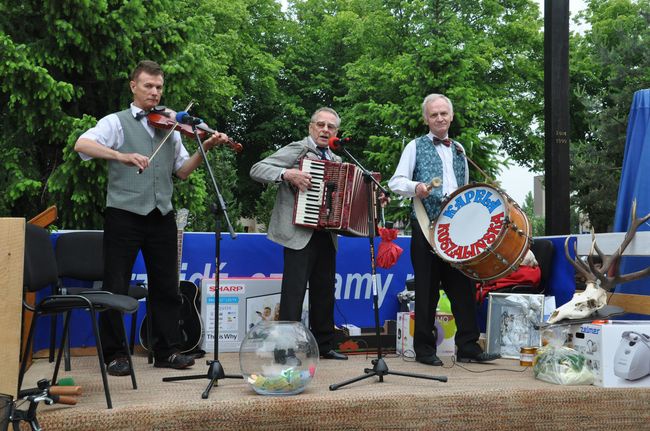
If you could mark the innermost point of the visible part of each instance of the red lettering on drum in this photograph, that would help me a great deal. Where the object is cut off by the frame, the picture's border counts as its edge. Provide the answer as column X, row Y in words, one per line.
column 494, row 229
column 457, row 253
column 443, row 237
column 497, row 219
column 480, row 246
column 443, row 231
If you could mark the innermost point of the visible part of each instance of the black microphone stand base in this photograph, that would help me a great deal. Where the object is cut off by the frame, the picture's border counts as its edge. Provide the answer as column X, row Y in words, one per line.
column 380, row 369
column 215, row 370
column 215, row 373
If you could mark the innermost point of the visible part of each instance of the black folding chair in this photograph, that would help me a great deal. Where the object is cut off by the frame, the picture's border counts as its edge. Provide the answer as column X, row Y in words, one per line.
column 80, row 256
column 41, row 271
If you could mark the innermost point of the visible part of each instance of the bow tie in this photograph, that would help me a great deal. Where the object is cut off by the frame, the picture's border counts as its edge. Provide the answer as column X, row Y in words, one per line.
column 140, row 115
column 446, row 142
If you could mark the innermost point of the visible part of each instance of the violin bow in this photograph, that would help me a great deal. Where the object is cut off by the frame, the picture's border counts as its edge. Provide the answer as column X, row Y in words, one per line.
column 169, row 133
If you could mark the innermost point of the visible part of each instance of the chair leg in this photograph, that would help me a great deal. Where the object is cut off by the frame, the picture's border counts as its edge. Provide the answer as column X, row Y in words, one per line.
column 66, row 347
column 64, row 340
column 28, row 346
column 100, row 355
column 148, row 329
column 134, row 323
column 53, row 324
column 133, row 382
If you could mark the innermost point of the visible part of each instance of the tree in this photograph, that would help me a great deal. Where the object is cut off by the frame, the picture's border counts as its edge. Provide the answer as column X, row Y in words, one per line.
column 610, row 62
column 65, row 65
column 536, row 222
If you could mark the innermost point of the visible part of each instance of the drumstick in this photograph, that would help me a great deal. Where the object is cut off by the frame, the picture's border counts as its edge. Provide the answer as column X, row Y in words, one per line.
column 436, row 182
column 65, row 390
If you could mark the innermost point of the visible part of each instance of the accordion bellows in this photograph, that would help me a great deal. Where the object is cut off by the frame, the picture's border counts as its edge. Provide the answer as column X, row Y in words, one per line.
column 337, row 200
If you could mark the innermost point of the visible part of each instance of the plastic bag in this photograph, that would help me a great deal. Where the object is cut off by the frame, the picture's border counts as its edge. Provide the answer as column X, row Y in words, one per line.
column 562, row 365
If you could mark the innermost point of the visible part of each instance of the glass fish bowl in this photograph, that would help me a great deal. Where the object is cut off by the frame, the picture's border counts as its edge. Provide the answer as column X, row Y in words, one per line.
column 278, row 357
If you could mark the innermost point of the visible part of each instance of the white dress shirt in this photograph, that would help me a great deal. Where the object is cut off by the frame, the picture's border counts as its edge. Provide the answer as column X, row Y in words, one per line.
column 108, row 132
column 402, row 183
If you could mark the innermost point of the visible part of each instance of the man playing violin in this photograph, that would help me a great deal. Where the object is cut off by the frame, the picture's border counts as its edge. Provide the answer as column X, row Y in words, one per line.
column 139, row 216
column 431, row 167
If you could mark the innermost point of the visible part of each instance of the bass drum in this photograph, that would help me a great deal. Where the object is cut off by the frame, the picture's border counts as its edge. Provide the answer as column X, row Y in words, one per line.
column 482, row 232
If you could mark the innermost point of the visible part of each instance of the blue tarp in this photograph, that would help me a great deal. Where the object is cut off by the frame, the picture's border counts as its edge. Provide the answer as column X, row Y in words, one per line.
column 635, row 185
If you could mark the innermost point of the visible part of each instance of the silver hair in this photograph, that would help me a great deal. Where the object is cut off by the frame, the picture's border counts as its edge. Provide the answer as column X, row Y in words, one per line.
column 325, row 109
column 432, row 97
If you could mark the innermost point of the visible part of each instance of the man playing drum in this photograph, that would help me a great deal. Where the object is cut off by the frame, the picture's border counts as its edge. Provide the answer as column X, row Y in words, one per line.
column 430, row 168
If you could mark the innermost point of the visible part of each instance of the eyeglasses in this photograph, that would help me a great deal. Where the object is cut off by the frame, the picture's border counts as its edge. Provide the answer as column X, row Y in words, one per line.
column 322, row 124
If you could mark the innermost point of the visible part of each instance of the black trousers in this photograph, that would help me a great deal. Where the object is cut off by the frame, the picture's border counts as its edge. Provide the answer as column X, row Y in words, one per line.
column 316, row 264
column 155, row 235
column 432, row 274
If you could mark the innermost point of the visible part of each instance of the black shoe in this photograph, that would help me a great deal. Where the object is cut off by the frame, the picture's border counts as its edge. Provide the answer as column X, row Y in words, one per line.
column 430, row 360
column 332, row 354
column 119, row 367
column 480, row 358
column 286, row 357
column 177, row 361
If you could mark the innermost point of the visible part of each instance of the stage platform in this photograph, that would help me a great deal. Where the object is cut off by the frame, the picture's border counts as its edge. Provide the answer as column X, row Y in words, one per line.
column 500, row 396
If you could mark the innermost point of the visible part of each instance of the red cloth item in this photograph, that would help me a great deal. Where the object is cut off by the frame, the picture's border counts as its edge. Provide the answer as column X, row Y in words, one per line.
column 526, row 275
column 388, row 252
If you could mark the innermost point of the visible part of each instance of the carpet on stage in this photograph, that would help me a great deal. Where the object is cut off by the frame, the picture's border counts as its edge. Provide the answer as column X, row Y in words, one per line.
column 499, row 396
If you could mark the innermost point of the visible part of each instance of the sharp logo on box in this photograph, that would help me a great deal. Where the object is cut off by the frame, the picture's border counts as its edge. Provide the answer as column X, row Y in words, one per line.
column 229, row 288
column 588, row 330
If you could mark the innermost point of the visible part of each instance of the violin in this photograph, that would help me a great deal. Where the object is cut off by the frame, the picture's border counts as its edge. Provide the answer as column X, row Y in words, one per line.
column 162, row 118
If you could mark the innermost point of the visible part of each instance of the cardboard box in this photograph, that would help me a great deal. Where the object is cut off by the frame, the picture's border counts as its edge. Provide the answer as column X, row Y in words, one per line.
column 243, row 302
column 406, row 326
column 364, row 340
column 618, row 352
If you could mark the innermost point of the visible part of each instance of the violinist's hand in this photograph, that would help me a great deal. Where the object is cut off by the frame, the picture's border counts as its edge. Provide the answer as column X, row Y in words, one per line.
column 421, row 190
column 383, row 200
column 215, row 139
column 133, row 159
column 301, row 180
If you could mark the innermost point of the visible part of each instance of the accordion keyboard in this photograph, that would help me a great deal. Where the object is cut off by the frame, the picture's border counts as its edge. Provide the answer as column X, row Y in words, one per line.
column 309, row 202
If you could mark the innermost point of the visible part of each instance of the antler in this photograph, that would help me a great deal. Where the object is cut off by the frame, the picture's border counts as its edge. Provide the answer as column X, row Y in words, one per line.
column 577, row 263
column 609, row 262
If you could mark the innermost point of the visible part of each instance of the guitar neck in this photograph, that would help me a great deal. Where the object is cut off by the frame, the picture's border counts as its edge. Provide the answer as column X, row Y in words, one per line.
column 179, row 239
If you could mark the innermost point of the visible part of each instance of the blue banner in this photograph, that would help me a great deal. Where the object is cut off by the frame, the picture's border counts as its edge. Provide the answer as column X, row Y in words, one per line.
column 253, row 255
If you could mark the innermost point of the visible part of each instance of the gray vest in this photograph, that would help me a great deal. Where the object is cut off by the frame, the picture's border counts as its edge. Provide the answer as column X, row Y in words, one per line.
column 428, row 165
column 141, row 193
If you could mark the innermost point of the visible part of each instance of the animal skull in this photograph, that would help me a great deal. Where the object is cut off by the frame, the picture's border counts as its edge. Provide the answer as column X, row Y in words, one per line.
column 600, row 280
column 583, row 304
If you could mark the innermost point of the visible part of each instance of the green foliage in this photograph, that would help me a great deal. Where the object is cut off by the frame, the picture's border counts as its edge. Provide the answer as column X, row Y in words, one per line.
column 66, row 64
column 258, row 73
column 609, row 63
column 537, row 222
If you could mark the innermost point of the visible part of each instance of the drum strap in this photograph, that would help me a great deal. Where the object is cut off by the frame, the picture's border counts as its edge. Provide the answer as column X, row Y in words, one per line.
column 423, row 220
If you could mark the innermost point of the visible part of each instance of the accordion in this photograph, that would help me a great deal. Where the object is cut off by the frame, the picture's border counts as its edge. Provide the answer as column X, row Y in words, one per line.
column 337, row 199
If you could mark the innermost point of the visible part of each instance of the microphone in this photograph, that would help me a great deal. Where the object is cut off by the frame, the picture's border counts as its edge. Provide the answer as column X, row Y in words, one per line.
column 336, row 143
column 185, row 118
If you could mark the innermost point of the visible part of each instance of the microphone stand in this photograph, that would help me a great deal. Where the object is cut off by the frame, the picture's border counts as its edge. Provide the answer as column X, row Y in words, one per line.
column 379, row 367
column 215, row 370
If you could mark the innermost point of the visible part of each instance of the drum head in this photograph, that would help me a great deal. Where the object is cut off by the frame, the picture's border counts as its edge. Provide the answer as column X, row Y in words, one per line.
column 471, row 220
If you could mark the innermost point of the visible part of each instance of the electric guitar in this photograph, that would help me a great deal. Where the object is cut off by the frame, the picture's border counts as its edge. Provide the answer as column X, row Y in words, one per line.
column 191, row 324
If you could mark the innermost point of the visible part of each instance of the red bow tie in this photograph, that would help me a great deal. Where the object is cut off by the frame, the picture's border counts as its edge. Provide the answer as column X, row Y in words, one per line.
column 446, row 142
